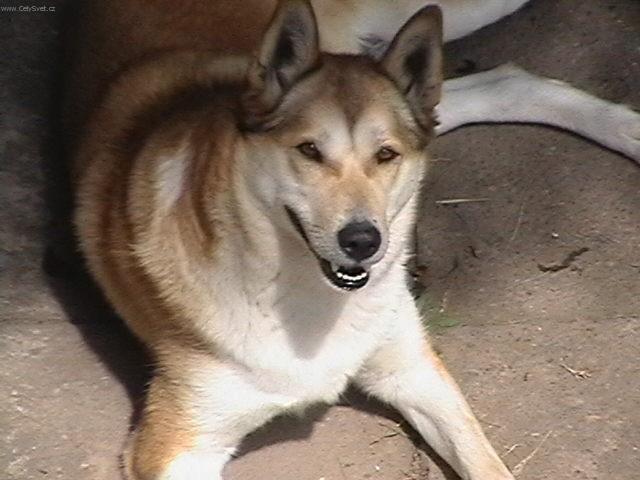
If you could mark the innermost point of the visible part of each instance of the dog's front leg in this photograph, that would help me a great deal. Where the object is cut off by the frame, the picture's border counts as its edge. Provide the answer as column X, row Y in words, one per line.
column 407, row 374
column 197, row 411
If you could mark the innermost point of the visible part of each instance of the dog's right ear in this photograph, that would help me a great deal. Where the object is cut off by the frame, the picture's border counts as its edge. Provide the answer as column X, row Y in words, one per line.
column 290, row 48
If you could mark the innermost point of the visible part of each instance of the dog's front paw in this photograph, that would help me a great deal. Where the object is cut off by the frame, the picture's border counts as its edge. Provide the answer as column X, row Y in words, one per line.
column 188, row 465
column 195, row 466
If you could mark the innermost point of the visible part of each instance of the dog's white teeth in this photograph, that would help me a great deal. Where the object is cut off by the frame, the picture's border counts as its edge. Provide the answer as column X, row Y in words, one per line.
column 351, row 278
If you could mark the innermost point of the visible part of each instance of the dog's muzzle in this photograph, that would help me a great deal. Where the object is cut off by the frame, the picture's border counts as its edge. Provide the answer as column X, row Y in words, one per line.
column 345, row 278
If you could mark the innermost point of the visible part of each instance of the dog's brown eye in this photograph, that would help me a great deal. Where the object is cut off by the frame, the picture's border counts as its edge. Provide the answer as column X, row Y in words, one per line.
column 309, row 150
column 386, row 154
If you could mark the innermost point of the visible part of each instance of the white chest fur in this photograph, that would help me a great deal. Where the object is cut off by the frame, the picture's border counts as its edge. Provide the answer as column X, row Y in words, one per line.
column 291, row 334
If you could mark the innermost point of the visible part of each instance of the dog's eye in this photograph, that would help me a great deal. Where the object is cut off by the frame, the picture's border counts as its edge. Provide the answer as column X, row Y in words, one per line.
column 309, row 150
column 386, row 154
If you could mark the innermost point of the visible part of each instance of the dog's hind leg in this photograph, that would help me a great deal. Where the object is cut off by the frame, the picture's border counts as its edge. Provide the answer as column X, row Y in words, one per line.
column 405, row 373
column 463, row 17
column 354, row 26
column 509, row 94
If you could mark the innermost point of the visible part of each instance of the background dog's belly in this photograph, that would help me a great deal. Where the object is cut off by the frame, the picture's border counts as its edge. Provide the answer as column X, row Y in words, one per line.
column 122, row 32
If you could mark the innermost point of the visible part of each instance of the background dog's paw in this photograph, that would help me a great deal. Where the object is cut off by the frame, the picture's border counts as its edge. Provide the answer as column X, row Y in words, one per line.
column 623, row 128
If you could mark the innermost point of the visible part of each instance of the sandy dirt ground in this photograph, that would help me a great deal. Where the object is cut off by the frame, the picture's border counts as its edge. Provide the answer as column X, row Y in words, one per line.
column 550, row 361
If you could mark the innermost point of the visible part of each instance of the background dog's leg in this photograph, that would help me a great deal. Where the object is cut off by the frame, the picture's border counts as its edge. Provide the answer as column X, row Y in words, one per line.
column 510, row 94
column 408, row 375
column 350, row 27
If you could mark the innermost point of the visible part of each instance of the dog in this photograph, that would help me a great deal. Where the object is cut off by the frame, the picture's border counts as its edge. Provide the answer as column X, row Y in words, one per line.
column 246, row 202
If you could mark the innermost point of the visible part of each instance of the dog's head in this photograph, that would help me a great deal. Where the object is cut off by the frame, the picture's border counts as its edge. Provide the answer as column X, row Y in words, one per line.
column 338, row 141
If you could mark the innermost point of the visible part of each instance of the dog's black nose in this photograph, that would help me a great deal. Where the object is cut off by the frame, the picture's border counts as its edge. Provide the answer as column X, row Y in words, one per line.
column 359, row 240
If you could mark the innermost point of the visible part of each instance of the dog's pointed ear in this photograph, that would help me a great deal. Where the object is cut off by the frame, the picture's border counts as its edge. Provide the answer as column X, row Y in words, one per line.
column 290, row 48
column 414, row 62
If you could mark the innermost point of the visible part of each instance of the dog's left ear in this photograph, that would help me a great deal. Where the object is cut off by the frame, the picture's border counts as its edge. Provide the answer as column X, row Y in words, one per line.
column 290, row 48
column 414, row 62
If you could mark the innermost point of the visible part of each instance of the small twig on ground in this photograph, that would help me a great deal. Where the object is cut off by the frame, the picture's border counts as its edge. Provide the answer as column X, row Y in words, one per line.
column 393, row 432
column 517, row 470
column 511, row 448
column 456, row 201
column 387, row 435
column 579, row 374
column 518, row 223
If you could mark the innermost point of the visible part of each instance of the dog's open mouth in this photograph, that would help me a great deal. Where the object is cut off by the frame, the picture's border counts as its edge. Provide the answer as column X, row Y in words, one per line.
column 346, row 278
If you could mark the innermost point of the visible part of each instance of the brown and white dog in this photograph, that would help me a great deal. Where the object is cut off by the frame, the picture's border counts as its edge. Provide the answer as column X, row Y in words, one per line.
column 245, row 201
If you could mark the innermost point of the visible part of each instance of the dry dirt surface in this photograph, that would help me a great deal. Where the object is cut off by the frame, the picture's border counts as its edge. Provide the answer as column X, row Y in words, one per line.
column 549, row 360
